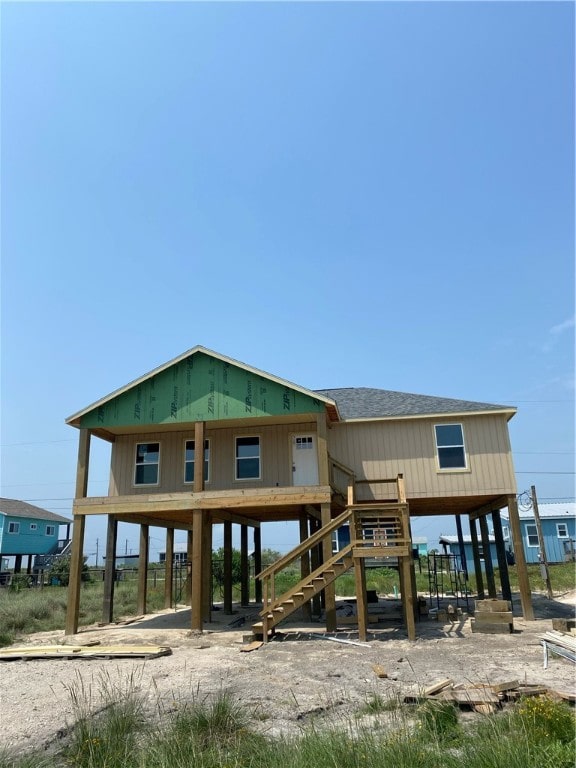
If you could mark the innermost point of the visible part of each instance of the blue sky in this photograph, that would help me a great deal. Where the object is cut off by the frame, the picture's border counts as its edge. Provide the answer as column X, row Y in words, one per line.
column 342, row 194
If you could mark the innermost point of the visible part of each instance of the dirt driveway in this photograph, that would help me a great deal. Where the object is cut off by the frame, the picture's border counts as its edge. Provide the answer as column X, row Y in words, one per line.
column 298, row 676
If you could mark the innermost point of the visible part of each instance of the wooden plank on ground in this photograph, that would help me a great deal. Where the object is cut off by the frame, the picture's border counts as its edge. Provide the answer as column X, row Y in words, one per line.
column 84, row 652
column 437, row 687
column 493, row 606
column 251, row 646
column 470, row 696
column 379, row 671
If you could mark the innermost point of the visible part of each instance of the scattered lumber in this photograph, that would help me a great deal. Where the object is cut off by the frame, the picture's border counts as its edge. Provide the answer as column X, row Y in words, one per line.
column 251, row 646
column 559, row 643
column 379, row 671
column 483, row 697
column 29, row 652
column 563, row 625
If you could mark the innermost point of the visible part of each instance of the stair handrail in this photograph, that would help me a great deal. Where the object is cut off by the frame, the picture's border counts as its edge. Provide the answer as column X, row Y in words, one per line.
column 350, row 475
column 268, row 607
column 305, row 545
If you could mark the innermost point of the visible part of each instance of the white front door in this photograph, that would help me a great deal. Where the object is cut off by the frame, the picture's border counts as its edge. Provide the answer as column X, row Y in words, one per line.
column 304, row 460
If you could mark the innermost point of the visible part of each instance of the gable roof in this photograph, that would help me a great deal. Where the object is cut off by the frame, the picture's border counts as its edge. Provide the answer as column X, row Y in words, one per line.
column 467, row 539
column 358, row 403
column 15, row 508
column 161, row 397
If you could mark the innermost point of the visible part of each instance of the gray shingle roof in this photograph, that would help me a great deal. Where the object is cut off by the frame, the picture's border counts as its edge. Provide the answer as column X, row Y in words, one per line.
column 16, row 508
column 367, row 403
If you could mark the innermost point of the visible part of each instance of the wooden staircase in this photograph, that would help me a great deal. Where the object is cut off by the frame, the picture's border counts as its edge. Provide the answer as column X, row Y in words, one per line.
column 377, row 529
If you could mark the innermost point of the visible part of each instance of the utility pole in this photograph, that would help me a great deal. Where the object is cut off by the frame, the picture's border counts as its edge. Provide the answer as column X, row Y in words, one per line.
column 97, row 553
column 542, row 552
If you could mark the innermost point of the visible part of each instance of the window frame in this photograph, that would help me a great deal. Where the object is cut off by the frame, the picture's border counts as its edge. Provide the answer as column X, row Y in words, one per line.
column 529, row 535
column 236, row 458
column 33, row 526
column 206, row 460
column 135, row 484
column 562, row 535
column 13, row 527
column 50, row 530
column 439, row 448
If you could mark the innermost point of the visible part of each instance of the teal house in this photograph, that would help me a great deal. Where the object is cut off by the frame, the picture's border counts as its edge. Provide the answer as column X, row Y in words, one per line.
column 26, row 530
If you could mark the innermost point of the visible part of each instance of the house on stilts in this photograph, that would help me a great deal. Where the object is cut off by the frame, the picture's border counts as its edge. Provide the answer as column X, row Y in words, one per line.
column 205, row 440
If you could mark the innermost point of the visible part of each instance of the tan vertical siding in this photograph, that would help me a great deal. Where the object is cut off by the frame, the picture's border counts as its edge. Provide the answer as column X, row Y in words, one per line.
column 275, row 453
column 385, row 448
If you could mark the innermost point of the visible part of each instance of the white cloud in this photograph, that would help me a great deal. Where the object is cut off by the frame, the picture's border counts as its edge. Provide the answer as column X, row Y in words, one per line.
column 561, row 327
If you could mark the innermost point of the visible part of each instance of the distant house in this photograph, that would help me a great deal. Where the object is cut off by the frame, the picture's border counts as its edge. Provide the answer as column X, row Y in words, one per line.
column 29, row 530
column 420, row 543
column 450, row 546
column 180, row 553
column 558, row 530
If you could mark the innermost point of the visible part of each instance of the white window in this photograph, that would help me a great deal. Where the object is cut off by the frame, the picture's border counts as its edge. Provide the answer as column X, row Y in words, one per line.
column 505, row 533
column 13, row 527
column 189, row 457
column 247, row 458
column 562, row 530
column 50, row 530
column 147, row 464
column 532, row 536
column 450, row 446
column 33, row 526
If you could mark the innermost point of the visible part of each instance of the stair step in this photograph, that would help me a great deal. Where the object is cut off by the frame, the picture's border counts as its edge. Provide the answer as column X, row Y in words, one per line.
column 257, row 626
column 308, row 586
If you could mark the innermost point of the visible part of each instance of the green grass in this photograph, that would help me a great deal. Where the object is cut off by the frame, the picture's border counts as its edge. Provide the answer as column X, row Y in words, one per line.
column 118, row 727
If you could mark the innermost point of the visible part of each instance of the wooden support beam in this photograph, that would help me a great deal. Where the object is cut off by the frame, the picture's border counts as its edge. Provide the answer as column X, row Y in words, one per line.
column 330, row 589
column 407, row 597
column 110, row 570
column 169, row 568
column 322, row 448
column 477, row 563
column 143, row 569
column 257, row 564
column 315, row 559
column 198, row 520
column 244, row 567
column 207, row 568
column 501, row 554
column 77, row 557
column 305, row 563
column 486, row 509
column 488, row 567
column 224, row 515
column 75, row 579
column 83, row 464
column 157, row 522
column 361, row 601
column 520, row 558
column 228, row 568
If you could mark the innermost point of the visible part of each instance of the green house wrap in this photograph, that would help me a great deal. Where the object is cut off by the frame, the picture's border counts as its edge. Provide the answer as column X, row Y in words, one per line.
column 199, row 387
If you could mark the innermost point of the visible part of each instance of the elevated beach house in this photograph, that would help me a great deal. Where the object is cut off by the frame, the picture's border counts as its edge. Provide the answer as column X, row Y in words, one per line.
column 205, row 440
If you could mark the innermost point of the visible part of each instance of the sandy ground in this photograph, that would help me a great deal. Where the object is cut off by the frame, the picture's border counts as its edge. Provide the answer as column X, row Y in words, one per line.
column 298, row 676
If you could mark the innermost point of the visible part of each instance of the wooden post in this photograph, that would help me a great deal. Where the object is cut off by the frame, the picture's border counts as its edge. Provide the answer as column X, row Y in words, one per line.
column 207, row 566
column 521, row 569
column 477, row 563
column 257, row 563
column 109, row 570
column 143, row 569
column 488, row 568
column 542, row 549
column 330, row 589
column 360, row 582
column 501, row 554
column 322, row 448
column 314, row 564
column 189, row 559
column 77, row 557
column 228, row 567
column 305, row 563
column 169, row 568
column 29, row 565
column 198, row 525
column 407, row 597
column 244, row 569
column 76, row 562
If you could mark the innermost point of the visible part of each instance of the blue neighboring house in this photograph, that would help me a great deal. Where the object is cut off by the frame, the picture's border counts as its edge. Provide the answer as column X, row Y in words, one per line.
column 558, row 531
column 450, row 546
column 29, row 530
